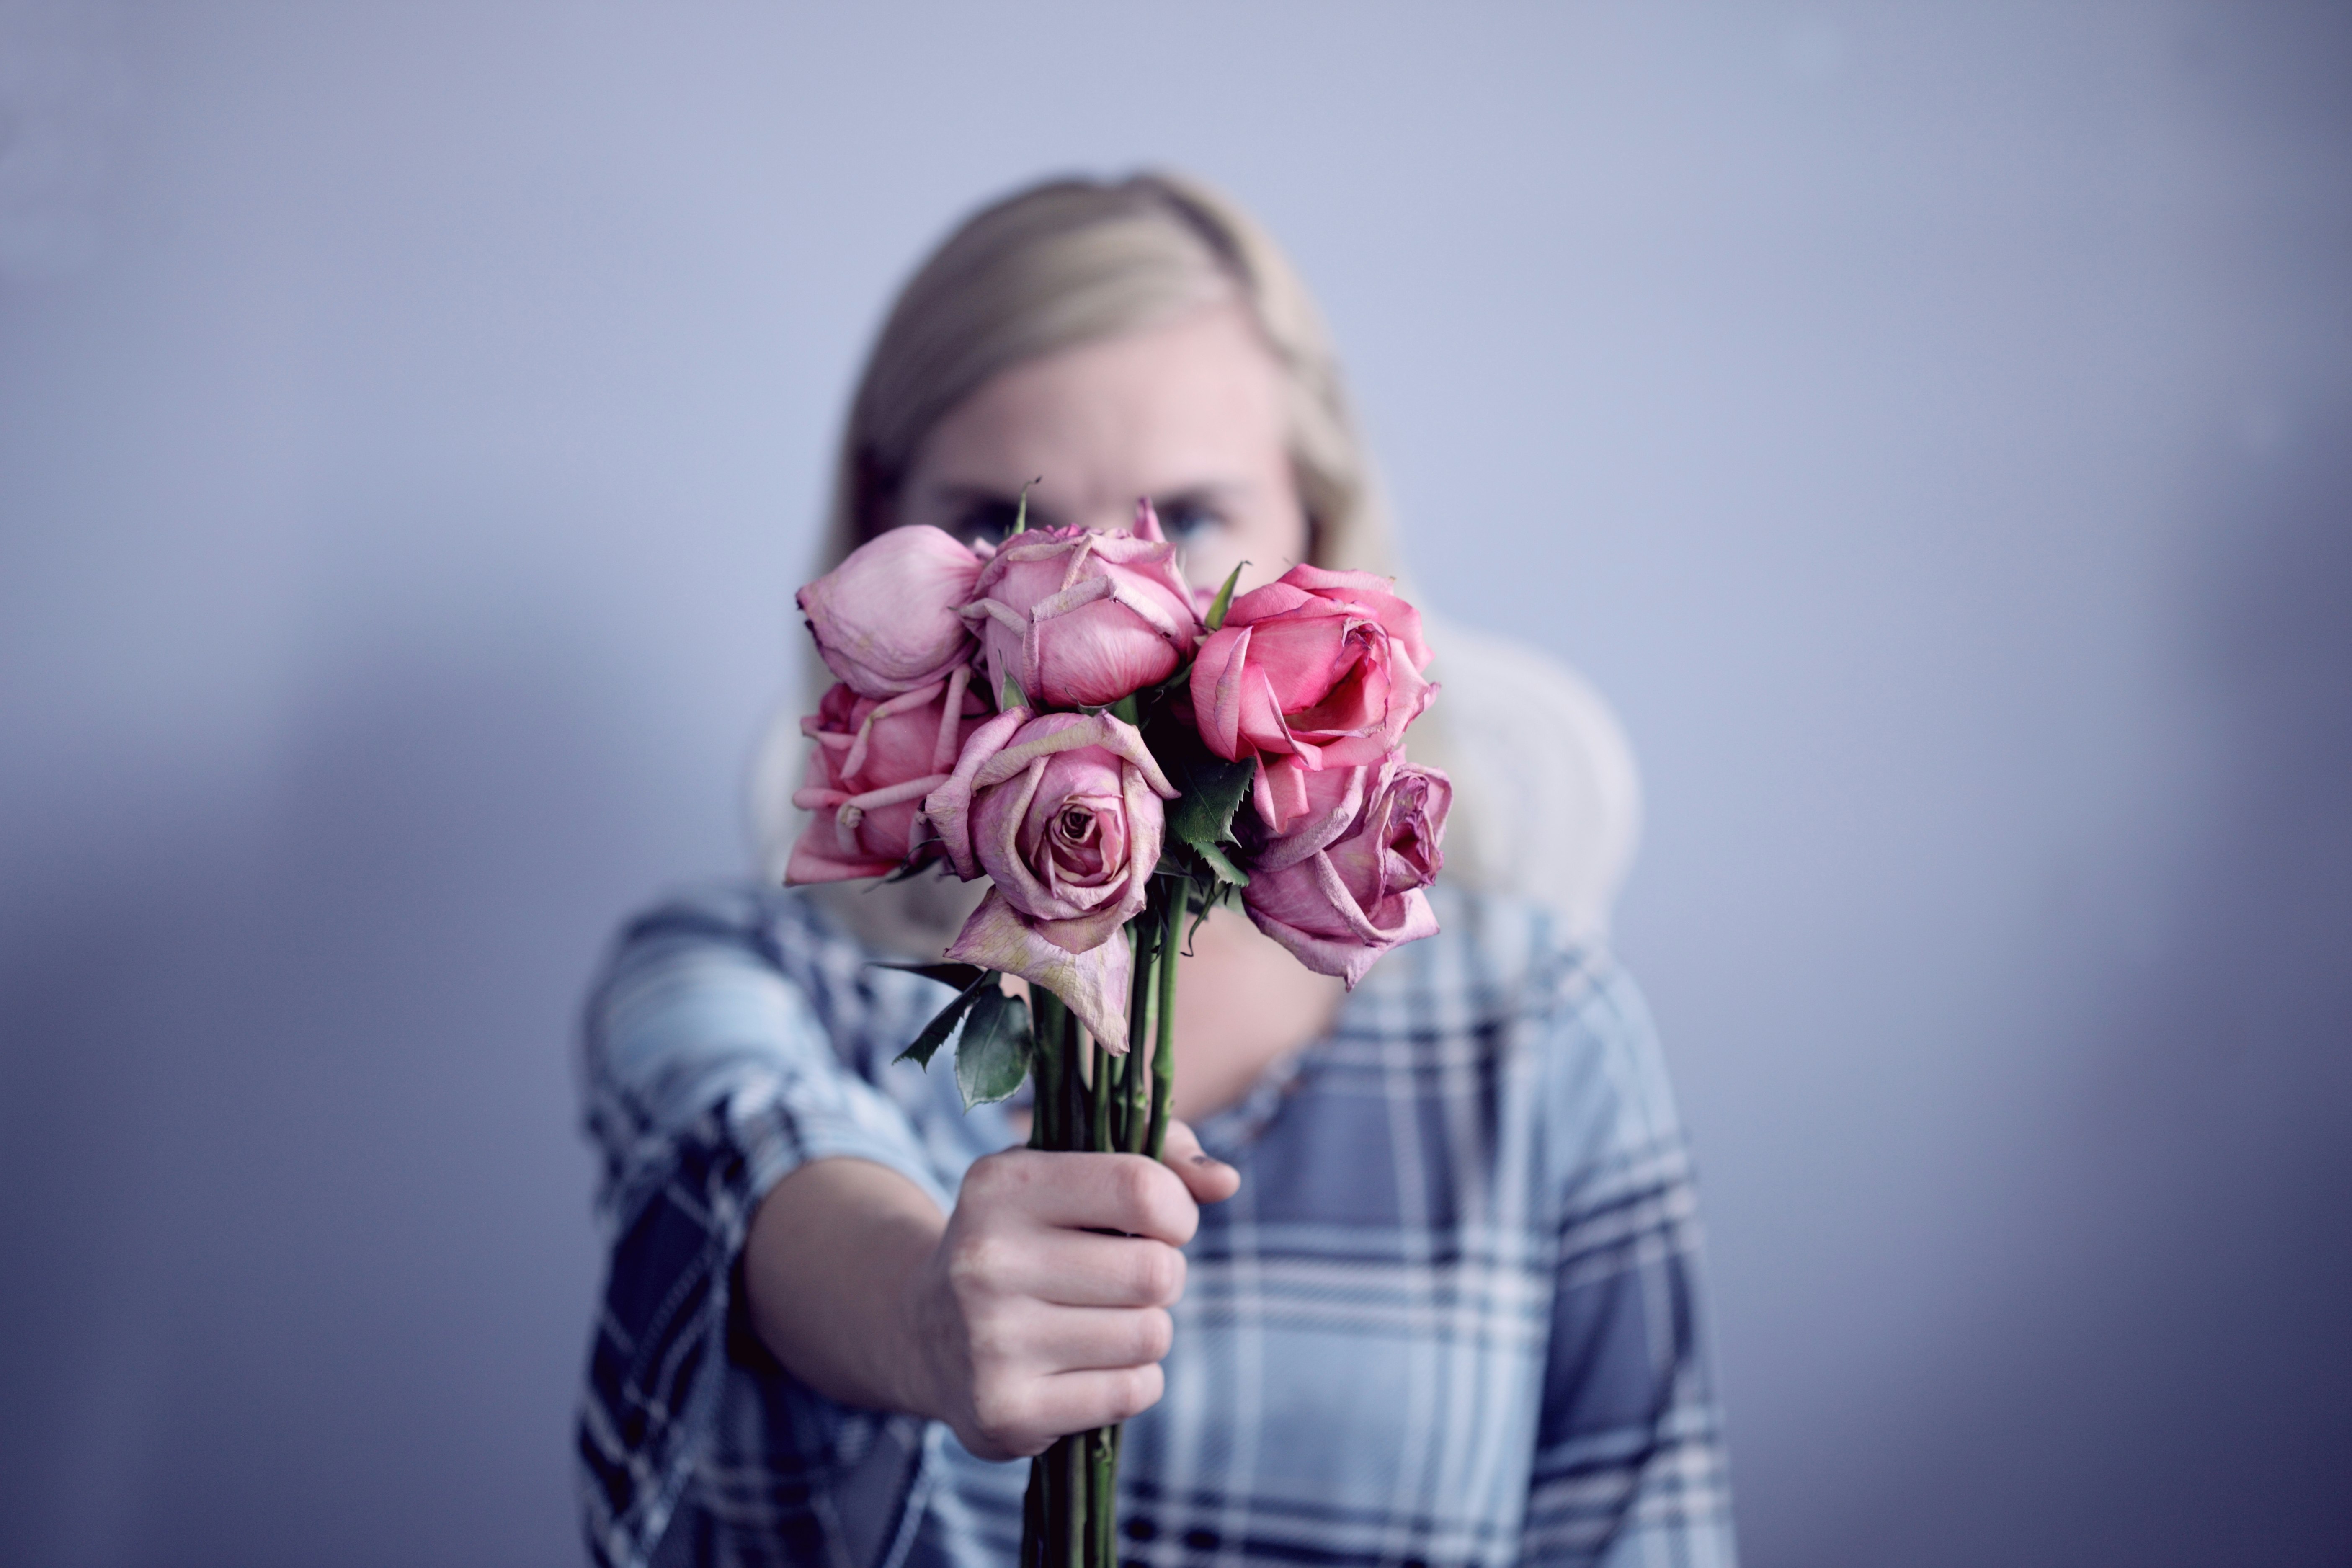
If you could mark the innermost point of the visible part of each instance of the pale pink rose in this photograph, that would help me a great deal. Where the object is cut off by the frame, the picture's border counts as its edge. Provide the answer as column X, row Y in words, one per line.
column 873, row 763
column 1081, row 619
column 1062, row 813
column 886, row 620
column 1345, row 885
column 1316, row 669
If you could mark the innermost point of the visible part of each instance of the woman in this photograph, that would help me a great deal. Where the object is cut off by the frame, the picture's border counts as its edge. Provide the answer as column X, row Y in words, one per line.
column 1420, row 1290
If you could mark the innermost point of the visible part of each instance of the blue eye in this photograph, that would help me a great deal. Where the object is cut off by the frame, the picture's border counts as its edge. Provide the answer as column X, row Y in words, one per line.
column 1181, row 520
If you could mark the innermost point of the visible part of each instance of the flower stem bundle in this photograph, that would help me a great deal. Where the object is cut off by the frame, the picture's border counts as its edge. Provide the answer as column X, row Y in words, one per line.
column 1119, row 1105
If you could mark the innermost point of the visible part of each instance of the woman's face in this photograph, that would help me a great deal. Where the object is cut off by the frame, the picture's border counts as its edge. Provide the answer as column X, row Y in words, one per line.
column 1189, row 414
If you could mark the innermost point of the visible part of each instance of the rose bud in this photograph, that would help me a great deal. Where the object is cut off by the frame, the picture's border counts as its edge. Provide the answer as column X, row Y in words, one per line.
column 873, row 763
column 1345, row 886
column 886, row 620
column 1081, row 619
column 1315, row 669
column 1063, row 813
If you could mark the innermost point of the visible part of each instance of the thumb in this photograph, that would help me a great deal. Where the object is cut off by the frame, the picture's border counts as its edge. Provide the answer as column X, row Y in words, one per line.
column 1209, row 1179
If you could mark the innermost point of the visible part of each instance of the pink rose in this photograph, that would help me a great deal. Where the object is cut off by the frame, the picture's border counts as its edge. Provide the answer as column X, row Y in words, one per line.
column 1345, row 885
column 1063, row 813
column 886, row 620
column 873, row 764
column 1316, row 669
column 1081, row 619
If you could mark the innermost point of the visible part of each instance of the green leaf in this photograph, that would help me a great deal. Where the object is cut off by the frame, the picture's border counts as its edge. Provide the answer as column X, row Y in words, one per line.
column 1202, row 816
column 1011, row 696
column 993, row 1057
column 1218, row 862
column 1224, row 599
column 943, row 1023
column 960, row 975
column 1127, row 708
column 1021, row 512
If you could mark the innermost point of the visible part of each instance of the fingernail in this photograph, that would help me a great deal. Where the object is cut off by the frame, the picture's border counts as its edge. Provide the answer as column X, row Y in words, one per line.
column 1205, row 1160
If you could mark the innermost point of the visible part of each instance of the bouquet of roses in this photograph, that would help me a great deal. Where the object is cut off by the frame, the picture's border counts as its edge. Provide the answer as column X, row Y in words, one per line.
column 1061, row 715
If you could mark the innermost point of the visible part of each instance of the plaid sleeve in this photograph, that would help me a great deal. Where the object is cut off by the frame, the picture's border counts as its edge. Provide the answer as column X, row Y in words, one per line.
column 1628, row 1464
column 708, row 1077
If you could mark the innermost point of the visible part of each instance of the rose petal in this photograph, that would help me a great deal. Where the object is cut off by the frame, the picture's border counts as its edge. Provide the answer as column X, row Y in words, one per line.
column 1279, row 792
column 1302, row 658
column 1097, row 652
column 1093, row 984
column 1376, row 593
column 816, row 857
column 1328, row 804
column 869, row 769
column 1216, row 690
column 948, row 807
column 886, row 620
column 1276, row 598
column 1413, row 920
column 1147, row 521
column 1081, row 619
column 1069, row 733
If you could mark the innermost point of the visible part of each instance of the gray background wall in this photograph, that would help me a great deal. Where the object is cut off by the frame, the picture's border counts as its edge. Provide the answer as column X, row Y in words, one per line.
column 1928, row 424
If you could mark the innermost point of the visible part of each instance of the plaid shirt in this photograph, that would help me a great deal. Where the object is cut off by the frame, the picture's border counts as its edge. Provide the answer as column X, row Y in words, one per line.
column 1453, row 1317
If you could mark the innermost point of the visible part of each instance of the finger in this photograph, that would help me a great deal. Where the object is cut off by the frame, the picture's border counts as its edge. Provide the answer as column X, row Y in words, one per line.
column 1081, row 1401
column 1209, row 1179
column 1094, row 1339
column 1075, row 1268
column 1123, row 1193
column 1021, row 1418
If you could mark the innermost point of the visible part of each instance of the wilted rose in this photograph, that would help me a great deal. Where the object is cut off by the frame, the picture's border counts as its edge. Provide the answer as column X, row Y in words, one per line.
column 873, row 763
column 1081, row 619
column 886, row 620
column 1063, row 813
column 1315, row 669
column 1345, row 885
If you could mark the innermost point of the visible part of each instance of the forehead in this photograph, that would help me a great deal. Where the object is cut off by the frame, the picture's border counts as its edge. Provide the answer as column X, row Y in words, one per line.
column 1196, row 400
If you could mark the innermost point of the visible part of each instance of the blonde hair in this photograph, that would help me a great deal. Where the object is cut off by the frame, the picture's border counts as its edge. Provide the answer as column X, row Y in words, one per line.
column 1073, row 261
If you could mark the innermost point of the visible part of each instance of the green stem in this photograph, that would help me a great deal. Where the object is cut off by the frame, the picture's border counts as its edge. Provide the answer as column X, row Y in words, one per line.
column 1048, row 1014
column 1032, row 1516
column 1136, row 1080
column 1049, row 1509
column 1117, row 1143
column 1075, row 1116
column 1074, row 1489
column 1098, row 1102
column 1140, row 933
column 1163, row 1049
column 1098, row 1501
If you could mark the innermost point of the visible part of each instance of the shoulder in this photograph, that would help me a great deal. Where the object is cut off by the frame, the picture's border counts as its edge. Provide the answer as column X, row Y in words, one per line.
column 1499, row 961
column 1548, row 795
column 1506, row 989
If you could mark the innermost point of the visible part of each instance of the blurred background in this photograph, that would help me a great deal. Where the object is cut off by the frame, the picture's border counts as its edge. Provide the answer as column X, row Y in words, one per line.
column 1929, row 425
